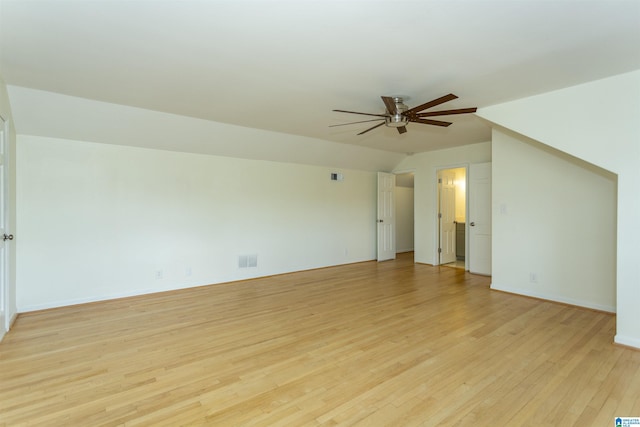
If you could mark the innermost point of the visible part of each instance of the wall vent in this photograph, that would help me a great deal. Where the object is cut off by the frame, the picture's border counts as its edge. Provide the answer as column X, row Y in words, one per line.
column 248, row 261
column 335, row 176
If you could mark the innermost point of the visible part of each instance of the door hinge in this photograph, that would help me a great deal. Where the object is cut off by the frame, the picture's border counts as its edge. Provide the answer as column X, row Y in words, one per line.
column 439, row 180
column 439, row 250
column 439, row 215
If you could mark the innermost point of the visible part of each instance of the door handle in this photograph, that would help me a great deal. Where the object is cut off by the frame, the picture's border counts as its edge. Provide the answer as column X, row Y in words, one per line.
column 473, row 224
column 6, row 237
column 380, row 220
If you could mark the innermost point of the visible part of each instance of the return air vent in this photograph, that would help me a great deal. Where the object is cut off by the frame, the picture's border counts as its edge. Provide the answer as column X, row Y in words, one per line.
column 248, row 261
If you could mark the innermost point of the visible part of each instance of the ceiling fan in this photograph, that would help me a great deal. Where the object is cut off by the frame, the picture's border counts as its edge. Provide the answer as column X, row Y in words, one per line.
column 398, row 114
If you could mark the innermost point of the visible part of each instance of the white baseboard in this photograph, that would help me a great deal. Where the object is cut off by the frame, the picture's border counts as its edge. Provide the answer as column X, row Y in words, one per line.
column 76, row 301
column 627, row 341
column 14, row 316
column 555, row 298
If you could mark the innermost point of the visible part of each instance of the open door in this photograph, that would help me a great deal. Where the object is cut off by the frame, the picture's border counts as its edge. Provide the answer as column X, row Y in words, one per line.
column 4, row 237
column 480, row 218
column 386, row 216
column 447, row 215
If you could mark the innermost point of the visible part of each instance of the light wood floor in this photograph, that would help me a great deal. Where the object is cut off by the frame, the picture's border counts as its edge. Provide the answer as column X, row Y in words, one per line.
column 365, row 344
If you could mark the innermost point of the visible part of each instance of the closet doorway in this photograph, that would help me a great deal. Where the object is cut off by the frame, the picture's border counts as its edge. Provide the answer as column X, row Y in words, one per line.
column 405, row 223
column 452, row 212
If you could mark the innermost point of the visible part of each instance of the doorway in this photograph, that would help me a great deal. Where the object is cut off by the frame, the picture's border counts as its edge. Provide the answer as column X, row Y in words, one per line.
column 405, row 208
column 452, row 213
column 395, row 223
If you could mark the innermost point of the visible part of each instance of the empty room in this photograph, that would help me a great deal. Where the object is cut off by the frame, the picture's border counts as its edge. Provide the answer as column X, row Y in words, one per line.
column 314, row 213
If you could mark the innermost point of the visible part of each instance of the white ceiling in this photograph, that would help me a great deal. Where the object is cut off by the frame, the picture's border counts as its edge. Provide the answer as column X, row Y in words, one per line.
column 284, row 65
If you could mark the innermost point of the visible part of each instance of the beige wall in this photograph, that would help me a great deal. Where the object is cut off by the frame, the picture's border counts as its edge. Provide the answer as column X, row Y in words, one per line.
column 100, row 221
column 597, row 122
column 554, row 224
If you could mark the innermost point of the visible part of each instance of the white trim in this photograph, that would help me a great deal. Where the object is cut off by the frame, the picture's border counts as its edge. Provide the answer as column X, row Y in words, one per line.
column 4, row 215
column 76, row 301
column 627, row 341
column 555, row 298
column 149, row 291
column 436, row 241
column 12, row 320
column 404, row 171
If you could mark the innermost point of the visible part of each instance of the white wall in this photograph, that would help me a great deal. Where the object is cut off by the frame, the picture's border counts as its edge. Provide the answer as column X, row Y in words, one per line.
column 99, row 221
column 404, row 219
column 10, row 161
column 554, row 217
column 425, row 166
column 597, row 122
column 60, row 116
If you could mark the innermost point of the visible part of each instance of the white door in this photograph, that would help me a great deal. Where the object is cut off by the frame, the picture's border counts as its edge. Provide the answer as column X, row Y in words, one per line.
column 447, row 215
column 386, row 216
column 4, row 246
column 480, row 218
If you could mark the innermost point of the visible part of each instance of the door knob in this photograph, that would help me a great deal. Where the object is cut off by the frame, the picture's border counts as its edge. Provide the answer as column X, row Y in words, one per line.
column 6, row 237
column 380, row 220
column 473, row 224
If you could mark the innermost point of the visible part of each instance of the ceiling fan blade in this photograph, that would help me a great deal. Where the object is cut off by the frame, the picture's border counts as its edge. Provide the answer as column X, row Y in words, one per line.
column 430, row 122
column 430, row 104
column 390, row 104
column 365, row 131
column 364, row 114
column 402, row 129
column 351, row 123
column 447, row 112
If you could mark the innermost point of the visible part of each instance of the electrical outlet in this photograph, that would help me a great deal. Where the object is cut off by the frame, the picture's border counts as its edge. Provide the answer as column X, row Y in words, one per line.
column 533, row 277
column 187, row 271
column 158, row 274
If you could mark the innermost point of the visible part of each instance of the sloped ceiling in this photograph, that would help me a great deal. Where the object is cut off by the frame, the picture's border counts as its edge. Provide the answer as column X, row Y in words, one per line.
column 282, row 66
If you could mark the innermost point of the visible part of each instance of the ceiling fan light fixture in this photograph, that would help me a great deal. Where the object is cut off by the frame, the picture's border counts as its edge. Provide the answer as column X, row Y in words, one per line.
column 398, row 119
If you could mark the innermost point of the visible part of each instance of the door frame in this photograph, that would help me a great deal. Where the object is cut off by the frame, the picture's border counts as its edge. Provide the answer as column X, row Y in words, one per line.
column 436, row 208
column 402, row 172
column 446, row 217
column 4, row 217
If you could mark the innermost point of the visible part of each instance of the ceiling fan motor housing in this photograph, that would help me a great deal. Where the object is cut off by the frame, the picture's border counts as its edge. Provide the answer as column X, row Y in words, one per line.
column 399, row 119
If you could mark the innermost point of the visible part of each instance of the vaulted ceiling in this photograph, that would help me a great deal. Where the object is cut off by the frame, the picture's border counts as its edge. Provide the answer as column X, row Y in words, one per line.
column 284, row 66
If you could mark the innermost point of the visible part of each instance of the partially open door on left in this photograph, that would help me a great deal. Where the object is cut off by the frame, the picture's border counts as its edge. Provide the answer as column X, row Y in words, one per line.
column 386, row 216
column 5, row 238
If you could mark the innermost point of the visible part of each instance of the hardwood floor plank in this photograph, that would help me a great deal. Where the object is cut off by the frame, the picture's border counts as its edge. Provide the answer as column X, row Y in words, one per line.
column 393, row 343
